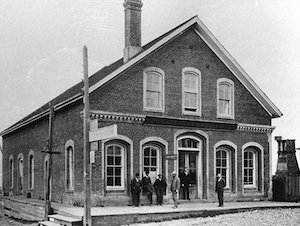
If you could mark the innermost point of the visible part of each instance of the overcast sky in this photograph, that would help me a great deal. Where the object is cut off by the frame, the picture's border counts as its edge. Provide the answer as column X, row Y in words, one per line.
column 41, row 46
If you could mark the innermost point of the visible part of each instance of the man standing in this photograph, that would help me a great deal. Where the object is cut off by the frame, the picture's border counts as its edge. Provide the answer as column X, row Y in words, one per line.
column 220, row 184
column 175, row 186
column 135, row 186
column 147, row 187
column 160, row 188
column 186, row 183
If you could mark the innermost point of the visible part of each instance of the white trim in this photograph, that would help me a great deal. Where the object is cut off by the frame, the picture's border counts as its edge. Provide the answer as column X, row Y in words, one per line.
column 70, row 143
column 229, row 82
column 270, row 164
column 233, row 146
column 160, row 72
column 261, row 156
column 31, row 153
column 199, row 96
column 11, row 171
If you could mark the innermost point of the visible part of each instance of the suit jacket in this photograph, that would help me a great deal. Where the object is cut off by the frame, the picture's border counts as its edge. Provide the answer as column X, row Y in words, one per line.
column 160, row 185
column 175, row 184
column 147, row 185
column 220, row 185
column 135, row 186
column 185, row 179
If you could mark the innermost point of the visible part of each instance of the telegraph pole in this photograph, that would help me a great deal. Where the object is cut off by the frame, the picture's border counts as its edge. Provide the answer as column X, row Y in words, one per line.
column 49, row 153
column 87, row 220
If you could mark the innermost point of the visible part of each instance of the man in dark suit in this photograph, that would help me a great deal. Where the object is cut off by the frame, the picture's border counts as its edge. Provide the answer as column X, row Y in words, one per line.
column 220, row 185
column 147, row 187
column 186, row 183
column 135, row 186
column 160, row 187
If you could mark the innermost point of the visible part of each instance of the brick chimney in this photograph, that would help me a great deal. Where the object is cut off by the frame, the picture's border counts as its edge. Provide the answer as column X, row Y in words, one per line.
column 133, row 9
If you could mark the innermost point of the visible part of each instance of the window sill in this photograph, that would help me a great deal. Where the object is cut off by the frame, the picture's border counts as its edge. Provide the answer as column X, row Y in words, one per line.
column 69, row 191
column 191, row 113
column 154, row 110
column 225, row 116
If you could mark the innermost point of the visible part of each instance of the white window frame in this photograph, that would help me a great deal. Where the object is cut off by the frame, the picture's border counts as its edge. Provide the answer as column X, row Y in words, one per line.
column 122, row 187
column 225, row 81
column 11, row 171
column 69, row 144
column 228, row 164
column 31, row 153
column 198, row 89
column 161, row 73
column 158, row 161
column 254, row 168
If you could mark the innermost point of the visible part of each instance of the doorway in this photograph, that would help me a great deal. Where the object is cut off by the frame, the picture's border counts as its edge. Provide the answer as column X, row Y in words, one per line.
column 189, row 156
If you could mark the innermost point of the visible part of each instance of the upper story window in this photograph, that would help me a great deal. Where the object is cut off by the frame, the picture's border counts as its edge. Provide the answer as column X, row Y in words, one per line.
column 225, row 96
column 153, row 89
column 191, row 91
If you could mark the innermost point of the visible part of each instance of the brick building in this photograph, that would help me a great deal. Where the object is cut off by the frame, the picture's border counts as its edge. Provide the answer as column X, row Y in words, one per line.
column 179, row 101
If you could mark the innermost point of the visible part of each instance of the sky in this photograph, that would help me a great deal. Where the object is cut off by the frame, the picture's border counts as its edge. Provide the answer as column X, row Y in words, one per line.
column 41, row 45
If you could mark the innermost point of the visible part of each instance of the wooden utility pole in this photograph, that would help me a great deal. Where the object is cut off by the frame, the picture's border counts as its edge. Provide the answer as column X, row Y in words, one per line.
column 87, row 221
column 49, row 153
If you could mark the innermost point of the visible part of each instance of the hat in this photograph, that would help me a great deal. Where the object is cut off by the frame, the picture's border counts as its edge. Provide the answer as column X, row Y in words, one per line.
column 160, row 175
column 174, row 172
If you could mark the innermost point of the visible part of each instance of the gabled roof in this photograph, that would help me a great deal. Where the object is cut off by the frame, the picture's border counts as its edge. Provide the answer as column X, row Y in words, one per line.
column 108, row 73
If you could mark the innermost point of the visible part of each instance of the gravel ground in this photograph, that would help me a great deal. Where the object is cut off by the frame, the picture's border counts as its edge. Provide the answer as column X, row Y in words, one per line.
column 257, row 217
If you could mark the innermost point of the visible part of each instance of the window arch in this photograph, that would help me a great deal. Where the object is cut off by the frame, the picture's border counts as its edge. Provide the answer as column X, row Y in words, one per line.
column 225, row 98
column 153, row 89
column 115, row 166
column 69, row 165
column 191, row 91
column 11, row 171
column 31, row 169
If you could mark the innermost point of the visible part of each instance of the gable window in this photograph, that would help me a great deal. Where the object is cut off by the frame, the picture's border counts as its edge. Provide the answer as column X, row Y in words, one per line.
column 11, row 171
column 191, row 91
column 153, row 89
column 115, row 157
column 31, row 170
column 225, row 95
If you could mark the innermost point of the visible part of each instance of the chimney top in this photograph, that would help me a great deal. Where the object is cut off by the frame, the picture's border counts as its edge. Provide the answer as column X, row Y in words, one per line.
column 132, row 28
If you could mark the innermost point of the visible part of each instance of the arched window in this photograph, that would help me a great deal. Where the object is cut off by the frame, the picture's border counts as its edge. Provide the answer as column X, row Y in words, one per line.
column 69, row 168
column 152, row 161
column 225, row 96
column 223, row 164
column 115, row 167
column 11, row 171
column 69, row 165
column 191, row 91
column 31, row 170
column 153, row 89
column 20, row 173
column 250, row 169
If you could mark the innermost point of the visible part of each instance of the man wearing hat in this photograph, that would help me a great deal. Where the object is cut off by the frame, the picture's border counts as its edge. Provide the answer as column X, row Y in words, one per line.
column 147, row 186
column 135, row 186
column 175, row 185
column 160, row 188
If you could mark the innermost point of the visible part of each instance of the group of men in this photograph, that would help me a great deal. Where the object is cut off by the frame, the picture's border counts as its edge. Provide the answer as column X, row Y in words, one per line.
column 160, row 186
